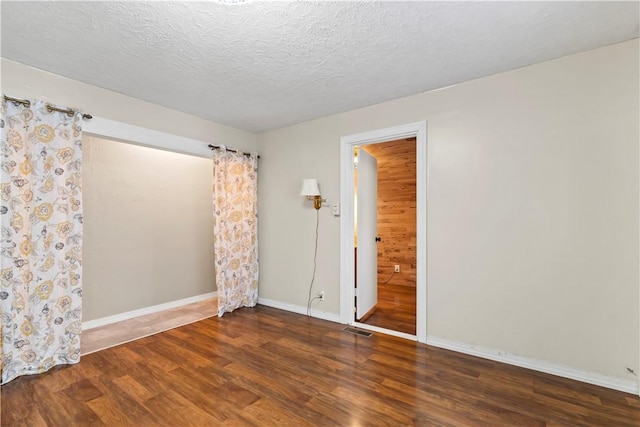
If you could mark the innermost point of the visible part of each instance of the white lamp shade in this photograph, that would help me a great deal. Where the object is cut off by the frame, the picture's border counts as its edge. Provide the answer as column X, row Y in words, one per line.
column 310, row 187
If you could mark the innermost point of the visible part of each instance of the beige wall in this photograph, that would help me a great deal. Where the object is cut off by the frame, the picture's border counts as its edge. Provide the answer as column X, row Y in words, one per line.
column 148, row 227
column 148, row 224
column 23, row 81
column 532, row 209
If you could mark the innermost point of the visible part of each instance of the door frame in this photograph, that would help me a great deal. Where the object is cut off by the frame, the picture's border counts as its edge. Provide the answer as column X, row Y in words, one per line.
column 347, row 262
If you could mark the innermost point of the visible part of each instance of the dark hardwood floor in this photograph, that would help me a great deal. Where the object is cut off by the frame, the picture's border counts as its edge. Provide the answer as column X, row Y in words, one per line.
column 396, row 308
column 269, row 367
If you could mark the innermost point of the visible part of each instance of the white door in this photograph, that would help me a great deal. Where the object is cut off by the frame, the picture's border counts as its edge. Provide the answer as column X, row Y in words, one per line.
column 367, row 217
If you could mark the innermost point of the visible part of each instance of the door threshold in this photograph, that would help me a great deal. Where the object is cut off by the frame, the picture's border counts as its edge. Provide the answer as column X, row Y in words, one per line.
column 385, row 331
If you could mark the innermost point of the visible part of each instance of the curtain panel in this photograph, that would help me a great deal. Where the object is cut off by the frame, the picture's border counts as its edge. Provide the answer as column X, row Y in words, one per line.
column 41, row 242
column 235, row 207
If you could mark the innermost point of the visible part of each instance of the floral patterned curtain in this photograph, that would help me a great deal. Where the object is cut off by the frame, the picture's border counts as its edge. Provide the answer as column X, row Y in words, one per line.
column 41, row 244
column 235, row 207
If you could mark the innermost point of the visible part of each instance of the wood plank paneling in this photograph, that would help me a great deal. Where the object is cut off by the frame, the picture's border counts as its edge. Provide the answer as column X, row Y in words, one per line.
column 264, row 366
column 396, row 210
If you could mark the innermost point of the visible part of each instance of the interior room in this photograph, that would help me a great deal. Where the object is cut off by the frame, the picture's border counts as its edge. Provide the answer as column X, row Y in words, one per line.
column 395, row 307
column 179, row 208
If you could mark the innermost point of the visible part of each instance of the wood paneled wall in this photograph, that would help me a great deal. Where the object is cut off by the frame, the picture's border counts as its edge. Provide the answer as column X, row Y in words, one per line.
column 396, row 209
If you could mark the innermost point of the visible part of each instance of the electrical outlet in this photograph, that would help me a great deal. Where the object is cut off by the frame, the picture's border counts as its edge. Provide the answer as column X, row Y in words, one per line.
column 321, row 295
column 396, row 268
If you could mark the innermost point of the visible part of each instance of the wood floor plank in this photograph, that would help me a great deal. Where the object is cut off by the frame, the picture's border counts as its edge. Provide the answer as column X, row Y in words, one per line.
column 111, row 413
column 268, row 413
column 372, row 401
column 268, row 367
column 396, row 308
column 53, row 414
column 116, row 408
column 134, row 389
column 339, row 411
column 172, row 409
column 61, row 408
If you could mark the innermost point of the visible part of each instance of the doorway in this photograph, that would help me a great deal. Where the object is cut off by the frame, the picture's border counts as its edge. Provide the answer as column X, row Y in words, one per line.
column 347, row 227
column 393, row 236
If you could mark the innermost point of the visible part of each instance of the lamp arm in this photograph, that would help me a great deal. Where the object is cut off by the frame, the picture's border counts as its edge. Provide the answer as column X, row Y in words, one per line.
column 317, row 201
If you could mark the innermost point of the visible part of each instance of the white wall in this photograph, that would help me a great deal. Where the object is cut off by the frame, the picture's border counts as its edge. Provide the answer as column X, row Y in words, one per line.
column 533, row 219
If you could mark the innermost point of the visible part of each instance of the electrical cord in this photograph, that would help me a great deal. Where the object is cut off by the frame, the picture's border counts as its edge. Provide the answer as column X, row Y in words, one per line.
column 392, row 274
column 315, row 298
column 315, row 260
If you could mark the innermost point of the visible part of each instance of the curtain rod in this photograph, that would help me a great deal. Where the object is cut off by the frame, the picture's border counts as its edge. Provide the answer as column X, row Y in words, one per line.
column 50, row 107
column 217, row 147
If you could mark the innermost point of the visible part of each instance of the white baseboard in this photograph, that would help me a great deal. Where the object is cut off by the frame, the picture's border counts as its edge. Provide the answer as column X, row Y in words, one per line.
column 332, row 317
column 385, row 331
column 90, row 324
column 628, row 386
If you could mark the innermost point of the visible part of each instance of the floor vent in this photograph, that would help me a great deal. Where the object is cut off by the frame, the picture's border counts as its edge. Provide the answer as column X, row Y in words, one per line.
column 357, row 331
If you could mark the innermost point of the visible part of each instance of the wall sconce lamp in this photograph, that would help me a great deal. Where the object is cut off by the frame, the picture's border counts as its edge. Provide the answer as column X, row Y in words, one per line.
column 311, row 191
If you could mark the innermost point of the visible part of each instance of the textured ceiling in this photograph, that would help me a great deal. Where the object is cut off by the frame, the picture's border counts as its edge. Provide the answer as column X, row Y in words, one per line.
column 263, row 65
